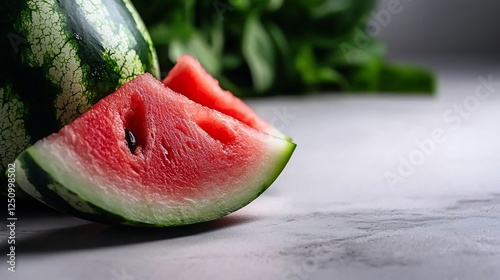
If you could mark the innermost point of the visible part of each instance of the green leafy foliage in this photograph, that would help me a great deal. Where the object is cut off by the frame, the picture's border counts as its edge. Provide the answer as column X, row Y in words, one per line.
column 268, row 47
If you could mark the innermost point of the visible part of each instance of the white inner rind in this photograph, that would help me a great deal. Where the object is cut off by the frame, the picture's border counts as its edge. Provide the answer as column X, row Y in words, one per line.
column 108, row 191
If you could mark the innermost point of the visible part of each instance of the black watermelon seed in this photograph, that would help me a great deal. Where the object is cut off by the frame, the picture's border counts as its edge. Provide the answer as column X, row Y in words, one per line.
column 132, row 143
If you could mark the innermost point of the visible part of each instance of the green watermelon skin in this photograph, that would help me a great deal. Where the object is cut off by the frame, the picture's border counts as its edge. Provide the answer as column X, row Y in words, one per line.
column 214, row 165
column 47, row 189
column 51, row 193
column 58, row 59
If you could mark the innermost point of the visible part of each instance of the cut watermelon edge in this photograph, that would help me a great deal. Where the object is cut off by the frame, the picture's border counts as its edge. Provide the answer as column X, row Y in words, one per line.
column 49, row 171
column 70, row 195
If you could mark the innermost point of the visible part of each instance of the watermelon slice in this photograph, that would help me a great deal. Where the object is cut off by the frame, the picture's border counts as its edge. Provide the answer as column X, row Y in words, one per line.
column 189, row 78
column 146, row 155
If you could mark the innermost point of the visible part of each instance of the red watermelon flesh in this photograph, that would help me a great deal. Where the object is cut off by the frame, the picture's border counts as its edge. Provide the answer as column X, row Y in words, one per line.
column 189, row 78
column 188, row 163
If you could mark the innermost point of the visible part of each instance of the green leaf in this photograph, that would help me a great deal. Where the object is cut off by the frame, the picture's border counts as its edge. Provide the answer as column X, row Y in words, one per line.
column 327, row 8
column 197, row 47
column 284, row 49
column 279, row 39
column 161, row 34
column 240, row 4
column 406, row 78
column 364, row 78
column 258, row 51
column 217, row 38
column 231, row 61
column 357, row 50
column 274, row 4
column 313, row 74
column 305, row 64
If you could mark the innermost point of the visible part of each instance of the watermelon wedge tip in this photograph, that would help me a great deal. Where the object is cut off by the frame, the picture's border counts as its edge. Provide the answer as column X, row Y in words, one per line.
column 189, row 78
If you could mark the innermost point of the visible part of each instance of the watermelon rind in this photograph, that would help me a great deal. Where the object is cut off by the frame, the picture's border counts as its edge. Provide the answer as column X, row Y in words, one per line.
column 43, row 174
column 61, row 57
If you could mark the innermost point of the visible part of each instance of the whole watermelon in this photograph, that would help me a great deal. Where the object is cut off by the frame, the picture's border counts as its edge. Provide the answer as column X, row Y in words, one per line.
column 58, row 58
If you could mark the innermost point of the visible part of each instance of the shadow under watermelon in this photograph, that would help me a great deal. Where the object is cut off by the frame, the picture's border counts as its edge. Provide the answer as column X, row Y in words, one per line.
column 93, row 235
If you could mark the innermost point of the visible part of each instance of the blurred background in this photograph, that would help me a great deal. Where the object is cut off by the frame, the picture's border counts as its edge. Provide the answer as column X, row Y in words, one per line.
column 273, row 47
column 443, row 28
column 276, row 47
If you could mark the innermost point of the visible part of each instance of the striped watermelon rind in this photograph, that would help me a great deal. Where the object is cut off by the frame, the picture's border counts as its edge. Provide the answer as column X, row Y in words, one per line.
column 37, row 178
column 61, row 57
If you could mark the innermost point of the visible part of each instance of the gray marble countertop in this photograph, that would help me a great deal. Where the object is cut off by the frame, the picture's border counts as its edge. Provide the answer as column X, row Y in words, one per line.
column 333, row 213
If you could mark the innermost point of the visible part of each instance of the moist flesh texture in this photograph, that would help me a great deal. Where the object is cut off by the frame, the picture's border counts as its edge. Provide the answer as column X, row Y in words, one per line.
column 190, row 79
column 189, row 163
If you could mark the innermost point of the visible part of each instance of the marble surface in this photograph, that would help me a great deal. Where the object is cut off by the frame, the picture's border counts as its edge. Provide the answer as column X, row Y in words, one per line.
column 332, row 214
